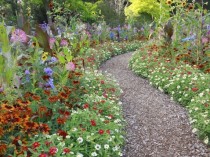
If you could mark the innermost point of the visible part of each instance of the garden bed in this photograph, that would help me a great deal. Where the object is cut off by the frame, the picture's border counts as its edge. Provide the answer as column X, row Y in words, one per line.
column 185, row 84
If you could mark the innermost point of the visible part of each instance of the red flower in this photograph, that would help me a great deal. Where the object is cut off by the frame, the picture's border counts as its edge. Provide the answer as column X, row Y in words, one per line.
column 66, row 150
column 111, row 116
column 93, row 122
column 194, row 89
column 63, row 112
column 101, row 131
column 100, row 111
column 62, row 133
column 36, row 144
column 43, row 155
column 102, row 82
column 85, row 106
column 53, row 150
column 108, row 131
column 47, row 143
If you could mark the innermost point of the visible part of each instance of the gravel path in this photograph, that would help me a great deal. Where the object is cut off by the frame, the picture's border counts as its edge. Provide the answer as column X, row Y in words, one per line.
column 156, row 126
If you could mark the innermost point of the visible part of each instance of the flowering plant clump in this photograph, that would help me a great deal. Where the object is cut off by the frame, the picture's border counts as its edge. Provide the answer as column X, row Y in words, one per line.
column 55, row 90
column 19, row 36
column 185, row 84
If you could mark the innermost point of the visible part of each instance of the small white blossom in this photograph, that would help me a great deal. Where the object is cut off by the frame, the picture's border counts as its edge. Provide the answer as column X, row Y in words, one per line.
column 94, row 154
column 79, row 155
column 80, row 139
column 194, row 130
column 206, row 140
column 97, row 147
column 106, row 146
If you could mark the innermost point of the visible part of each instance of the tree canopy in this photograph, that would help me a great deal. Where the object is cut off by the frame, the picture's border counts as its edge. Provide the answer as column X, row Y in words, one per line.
column 158, row 10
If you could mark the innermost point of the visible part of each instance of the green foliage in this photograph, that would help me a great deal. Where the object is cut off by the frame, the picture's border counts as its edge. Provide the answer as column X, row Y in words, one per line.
column 109, row 14
column 42, row 38
column 158, row 10
column 4, row 40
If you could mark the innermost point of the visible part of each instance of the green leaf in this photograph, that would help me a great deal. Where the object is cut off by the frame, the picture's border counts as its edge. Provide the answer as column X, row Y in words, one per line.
column 4, row 38
column 69, row 58
column 61, row 59
column 42, row 38
column 2, row 64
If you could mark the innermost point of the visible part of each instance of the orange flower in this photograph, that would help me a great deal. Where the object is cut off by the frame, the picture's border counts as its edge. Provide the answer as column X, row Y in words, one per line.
column 3, row 149
column 61, row 120
column 42, row 109
column 23, row 103
column 47, row 92
column 53, row 98
column 36, row 98
column 30, row 126
column 7, row 107
column 27, row 95
column 44, row 128
column 67, row 90
column 63, row 95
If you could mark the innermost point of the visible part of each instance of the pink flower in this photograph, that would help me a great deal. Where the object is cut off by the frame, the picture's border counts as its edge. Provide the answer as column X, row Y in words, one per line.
column 204, row 40
column 52, row 41
column 70, row 66
column 64, row 42
column 19, row 36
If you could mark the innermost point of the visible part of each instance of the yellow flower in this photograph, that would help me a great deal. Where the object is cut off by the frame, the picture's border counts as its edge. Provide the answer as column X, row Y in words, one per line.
column 184, row 4
column 44, row 56
column 168, row 2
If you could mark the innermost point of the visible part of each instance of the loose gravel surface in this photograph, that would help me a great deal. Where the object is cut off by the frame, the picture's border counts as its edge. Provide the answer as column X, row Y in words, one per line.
column 156, row 126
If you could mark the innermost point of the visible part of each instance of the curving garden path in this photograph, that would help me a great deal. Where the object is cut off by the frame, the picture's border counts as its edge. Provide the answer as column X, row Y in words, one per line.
column 156, row 126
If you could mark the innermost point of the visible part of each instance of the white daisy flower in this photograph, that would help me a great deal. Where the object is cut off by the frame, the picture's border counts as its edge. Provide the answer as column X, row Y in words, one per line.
column 106, row 146
column 94, row 154
column 80, row 139
column 97, row 147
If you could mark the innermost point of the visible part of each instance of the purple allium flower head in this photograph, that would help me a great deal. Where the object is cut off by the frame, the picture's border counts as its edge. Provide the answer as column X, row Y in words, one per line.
column 19, row 36
column 48, row 71
column 64, row 42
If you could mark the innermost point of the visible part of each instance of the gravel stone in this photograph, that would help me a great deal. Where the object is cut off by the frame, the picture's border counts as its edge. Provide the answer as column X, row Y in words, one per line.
column 156, row 126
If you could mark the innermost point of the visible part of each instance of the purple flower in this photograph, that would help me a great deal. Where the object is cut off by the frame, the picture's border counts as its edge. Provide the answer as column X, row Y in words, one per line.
column 70, row 66
column 27, row 72
column 1, row 89
column 53, row 59
column 48, row 71
column 19, row 36
column 50, row 83
column 64, row 42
